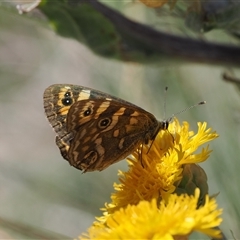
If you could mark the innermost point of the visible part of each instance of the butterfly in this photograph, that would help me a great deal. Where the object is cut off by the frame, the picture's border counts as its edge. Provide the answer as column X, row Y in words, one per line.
column 95, row 129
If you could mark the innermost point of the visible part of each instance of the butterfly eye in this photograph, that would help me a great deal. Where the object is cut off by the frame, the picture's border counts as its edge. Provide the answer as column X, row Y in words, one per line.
column 104, row 123
column 67, row 101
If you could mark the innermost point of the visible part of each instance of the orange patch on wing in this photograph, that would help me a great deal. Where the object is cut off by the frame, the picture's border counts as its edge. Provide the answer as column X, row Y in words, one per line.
column 133, row 121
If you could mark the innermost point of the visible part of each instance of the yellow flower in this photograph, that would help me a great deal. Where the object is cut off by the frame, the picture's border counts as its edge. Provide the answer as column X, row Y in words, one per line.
column 179, row 216
column 144, row 206
column 157, row 173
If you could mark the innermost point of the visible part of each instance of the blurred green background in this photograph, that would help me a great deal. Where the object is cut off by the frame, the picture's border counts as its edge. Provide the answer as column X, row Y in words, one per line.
column 37, row 186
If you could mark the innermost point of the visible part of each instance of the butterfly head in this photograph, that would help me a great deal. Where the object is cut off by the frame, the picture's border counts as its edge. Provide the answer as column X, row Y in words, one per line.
column 163, row 125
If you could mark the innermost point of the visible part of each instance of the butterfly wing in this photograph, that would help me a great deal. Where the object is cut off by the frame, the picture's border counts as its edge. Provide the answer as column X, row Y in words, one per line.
column 105, row 132
column 95, row 129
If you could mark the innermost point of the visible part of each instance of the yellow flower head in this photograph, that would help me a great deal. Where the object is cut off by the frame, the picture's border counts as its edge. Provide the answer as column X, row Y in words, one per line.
column 146, row 220
column 156, row 173
column 144, row 206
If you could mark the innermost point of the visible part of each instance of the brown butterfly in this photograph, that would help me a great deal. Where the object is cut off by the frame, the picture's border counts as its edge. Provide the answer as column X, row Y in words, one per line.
column 95, row 129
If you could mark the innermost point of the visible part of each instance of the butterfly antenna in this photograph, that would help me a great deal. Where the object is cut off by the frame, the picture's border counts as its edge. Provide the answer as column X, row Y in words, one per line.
column 186, row 109
column 164, row 114
column 164, row 102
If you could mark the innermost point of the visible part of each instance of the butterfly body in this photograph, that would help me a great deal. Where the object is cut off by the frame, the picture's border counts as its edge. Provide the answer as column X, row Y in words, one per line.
column 95, row 129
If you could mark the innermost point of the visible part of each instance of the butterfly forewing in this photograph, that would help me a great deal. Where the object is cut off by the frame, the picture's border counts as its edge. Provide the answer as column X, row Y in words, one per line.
column 58, row 99
column 94, row 129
